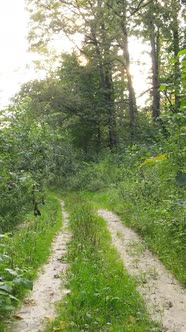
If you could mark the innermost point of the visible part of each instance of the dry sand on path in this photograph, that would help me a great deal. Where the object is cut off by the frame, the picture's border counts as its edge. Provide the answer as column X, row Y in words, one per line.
column 39, row 307
column 164, row 297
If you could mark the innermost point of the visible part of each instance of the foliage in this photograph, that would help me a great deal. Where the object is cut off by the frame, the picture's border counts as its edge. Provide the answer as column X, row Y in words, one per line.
column 58, row 131
column 149, row 194
column 105, row 30
column 92, row 176
column 26, row 161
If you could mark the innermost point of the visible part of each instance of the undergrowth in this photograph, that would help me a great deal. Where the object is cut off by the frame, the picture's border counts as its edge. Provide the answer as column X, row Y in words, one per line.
column 102, row 296
column 146, row 185
column 22, row 252
column 150, row 196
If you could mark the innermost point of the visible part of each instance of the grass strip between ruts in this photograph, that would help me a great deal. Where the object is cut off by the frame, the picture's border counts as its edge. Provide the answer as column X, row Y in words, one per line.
column 102, row 295
column 159, row 233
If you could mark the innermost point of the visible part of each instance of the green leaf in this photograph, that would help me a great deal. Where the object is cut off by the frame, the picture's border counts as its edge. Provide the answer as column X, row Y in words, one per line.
column 181, row 179
column 182, row 52
column 11, row 272
column 13, row 298
column 3, row 292
column 23, row 282
column 5, row 288
column 8, row 308
column 162, row 87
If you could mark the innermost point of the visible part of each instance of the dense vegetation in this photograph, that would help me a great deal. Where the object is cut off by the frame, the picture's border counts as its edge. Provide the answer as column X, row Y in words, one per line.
column 81, row 128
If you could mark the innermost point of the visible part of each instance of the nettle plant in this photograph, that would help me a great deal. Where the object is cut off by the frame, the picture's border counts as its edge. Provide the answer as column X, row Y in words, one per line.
column 12, row 278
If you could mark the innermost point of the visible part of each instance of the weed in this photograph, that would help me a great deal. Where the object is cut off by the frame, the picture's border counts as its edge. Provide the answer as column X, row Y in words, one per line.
column 136, row 248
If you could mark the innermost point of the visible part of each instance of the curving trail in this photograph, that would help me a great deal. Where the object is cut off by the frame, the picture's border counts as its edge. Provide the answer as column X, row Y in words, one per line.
column 39, row 307
column 164, row 297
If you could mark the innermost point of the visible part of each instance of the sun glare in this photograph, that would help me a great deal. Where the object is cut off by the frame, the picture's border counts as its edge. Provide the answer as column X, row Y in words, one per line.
column 13, row 55
column 140, row 67
column 16, row 63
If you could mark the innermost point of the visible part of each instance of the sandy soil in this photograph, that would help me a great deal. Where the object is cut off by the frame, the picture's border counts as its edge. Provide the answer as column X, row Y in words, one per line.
column 39, row 307
column 164, row 297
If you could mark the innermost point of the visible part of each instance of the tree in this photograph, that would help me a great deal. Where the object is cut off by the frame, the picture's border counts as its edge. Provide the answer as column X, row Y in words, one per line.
column 121, row 36
column 161, row 28
column 105, row 28
column 104, row 31
column 95, row 33
column 175, row 34
column 72, row 101
column 25, row 164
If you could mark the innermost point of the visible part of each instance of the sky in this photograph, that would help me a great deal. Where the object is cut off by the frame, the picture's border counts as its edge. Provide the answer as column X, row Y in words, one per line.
column 13, row 48
column 16, row 66
column 15, row 61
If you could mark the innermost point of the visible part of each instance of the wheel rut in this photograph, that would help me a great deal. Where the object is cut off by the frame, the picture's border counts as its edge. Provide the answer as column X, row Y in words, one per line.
column 39, row 307
column 164, row 297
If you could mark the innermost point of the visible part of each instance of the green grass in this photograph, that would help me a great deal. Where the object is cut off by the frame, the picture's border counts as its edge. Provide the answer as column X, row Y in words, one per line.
column 23, row 252
column 162, row 227
column 102, row 295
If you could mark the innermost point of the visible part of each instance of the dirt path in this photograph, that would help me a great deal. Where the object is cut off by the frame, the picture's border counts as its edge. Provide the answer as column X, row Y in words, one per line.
column 39, row 307
column 164, row 297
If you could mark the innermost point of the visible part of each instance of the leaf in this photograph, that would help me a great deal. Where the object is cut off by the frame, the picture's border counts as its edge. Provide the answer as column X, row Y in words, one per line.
column 11, row 272
column 162, row 87
column 2, row 236
column 8, row 308
column 5, row 256
column 182, row 52
column 180, row 179
column 13, row 298
column 5, row 288
column 3, row 292
column 23, row 282
column 154, row 160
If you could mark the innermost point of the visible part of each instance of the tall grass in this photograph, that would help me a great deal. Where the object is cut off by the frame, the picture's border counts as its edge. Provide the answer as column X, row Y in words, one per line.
column 148, row 199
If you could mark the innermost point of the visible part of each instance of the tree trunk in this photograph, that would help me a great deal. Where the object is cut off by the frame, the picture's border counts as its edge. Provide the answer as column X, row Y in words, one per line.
column 176, row 48
column 106, row 85
column 109, row 100
column 131, row 92
column 154, row 41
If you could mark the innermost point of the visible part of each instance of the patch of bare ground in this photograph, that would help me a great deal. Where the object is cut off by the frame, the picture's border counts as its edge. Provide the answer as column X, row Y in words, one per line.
column 39, row 307
column 164, row 297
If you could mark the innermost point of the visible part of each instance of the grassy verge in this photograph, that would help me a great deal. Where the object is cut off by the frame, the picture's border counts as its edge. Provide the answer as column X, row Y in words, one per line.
column 102, row 296
column 162, row 227
column 23, row 252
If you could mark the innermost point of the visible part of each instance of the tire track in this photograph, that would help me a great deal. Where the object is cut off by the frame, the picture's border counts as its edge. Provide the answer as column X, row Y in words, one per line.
column 39, row 307
column 164, row 297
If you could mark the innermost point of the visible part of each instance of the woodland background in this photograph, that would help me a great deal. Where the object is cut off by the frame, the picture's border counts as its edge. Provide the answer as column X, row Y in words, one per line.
column 81, row 127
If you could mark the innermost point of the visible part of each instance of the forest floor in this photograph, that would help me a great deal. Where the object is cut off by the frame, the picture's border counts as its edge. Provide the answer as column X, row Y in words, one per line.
column 39, row 308
column 165, row 299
